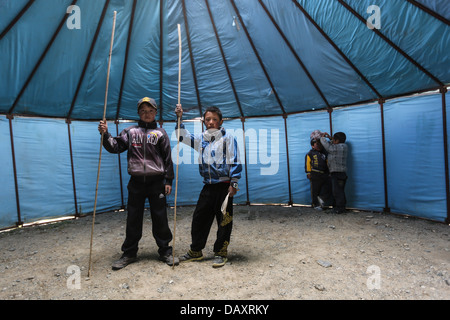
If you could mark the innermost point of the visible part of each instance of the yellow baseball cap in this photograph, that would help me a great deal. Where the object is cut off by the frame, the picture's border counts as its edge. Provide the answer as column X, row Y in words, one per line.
column 148, row 100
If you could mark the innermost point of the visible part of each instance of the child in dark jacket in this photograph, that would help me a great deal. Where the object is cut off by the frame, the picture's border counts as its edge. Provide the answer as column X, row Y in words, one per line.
column 151, row 169
column 316, row 169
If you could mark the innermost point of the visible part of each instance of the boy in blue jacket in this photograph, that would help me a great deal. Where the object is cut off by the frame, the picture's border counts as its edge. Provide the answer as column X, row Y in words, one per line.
column 220, row 168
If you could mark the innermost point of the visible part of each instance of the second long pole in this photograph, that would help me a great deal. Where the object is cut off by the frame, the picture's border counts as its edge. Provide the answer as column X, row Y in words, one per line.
column 178, row 147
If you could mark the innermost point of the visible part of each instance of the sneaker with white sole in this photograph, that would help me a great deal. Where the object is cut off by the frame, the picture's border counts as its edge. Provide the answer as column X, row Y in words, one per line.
column 219, row 261
column 192, row 256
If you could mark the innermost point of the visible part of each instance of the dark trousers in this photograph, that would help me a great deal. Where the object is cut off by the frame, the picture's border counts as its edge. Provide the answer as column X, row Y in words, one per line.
column 138, row 192
column 338, row 180
column 320, row 186
column 208, row 207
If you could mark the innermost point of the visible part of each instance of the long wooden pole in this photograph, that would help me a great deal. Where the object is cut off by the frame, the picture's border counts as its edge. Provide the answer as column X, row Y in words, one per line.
column 101, row 142
column 178, row 147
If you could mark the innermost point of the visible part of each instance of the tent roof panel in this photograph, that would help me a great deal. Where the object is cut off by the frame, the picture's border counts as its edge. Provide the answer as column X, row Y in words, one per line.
column 250, row 58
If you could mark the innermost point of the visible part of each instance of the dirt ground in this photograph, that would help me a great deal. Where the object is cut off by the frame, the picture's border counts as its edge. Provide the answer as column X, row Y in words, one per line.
column 276, row 252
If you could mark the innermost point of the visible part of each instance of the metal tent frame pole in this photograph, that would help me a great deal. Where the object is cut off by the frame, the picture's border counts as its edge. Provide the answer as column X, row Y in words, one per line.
column 383, row 145
column 16, row 185
column 446, row 165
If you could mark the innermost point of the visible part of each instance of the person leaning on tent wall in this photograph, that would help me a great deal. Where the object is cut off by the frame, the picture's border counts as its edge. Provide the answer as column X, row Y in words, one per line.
column 151, row 169
column 221, row 169
column 337, row 164
column 316, row 168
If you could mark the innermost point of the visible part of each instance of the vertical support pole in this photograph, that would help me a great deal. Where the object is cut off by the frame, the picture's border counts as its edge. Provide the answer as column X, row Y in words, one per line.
column 383, row 142
column 77, row 214
column 245, row 161
column 330, row 111
column 287, row 157
column 445, row 134
column 16, row 186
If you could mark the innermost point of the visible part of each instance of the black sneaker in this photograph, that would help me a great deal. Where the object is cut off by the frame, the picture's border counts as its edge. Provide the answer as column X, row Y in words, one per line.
column 170, row 260
column 192, row 256
column 219, row 261
column 123, row 262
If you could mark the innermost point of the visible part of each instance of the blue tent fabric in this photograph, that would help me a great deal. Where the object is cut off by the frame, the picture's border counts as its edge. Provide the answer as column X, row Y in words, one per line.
column 441, row 6
column 415, row 163
column 409, row 145
column 267, row 160
column 38, row 174
column 295, row 52
column 277, row 69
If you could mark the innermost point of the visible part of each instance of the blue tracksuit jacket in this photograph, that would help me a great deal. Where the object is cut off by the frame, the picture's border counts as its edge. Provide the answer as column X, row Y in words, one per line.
column 218, row 154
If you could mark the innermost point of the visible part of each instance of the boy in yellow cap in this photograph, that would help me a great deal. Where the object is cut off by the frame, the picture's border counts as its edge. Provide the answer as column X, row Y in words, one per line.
column 151, row 169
